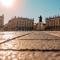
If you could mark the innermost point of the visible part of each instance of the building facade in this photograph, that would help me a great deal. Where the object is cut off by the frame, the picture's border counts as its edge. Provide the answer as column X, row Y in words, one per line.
column 53, row 23
column 40, row 26
column 20, row 23
column 1, row 22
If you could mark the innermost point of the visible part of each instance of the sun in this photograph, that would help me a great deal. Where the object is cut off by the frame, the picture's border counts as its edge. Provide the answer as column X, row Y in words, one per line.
column 7, row 3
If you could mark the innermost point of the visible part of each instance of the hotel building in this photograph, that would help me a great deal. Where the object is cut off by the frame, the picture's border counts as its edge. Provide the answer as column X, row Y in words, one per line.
column 19, row 23
column 53, row 23
column 1, row 22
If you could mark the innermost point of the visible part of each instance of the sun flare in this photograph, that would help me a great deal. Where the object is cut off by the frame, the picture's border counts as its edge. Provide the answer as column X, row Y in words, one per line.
column 7, row 3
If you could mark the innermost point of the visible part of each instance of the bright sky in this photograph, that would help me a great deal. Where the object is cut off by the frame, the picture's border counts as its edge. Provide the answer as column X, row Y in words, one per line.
column 30, row 9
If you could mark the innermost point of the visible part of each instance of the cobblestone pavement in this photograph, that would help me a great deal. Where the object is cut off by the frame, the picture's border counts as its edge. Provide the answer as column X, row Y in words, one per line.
column 56, row 33
column 31, row 45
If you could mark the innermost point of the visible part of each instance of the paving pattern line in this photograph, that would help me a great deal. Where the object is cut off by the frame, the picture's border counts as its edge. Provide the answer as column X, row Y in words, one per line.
column 40, row 39
column 15, row 38
column 32, row 50
column 57, row 35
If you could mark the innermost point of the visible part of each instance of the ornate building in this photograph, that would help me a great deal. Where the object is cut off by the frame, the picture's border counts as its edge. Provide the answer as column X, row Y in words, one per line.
column 53, row 23
column 1, row 22
column 20, row 23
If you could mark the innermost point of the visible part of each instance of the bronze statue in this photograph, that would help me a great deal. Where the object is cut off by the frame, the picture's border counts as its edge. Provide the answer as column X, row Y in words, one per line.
column 40, row 19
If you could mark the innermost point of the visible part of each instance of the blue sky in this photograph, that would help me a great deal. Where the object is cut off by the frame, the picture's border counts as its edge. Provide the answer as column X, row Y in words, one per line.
column 45, row 8
column 33, row 9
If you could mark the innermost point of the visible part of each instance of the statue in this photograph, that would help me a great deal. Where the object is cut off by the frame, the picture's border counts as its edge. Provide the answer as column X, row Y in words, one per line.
column 40, row 19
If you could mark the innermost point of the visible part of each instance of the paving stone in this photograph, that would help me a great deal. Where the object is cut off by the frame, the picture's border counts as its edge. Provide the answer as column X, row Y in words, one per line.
column 34, row 46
